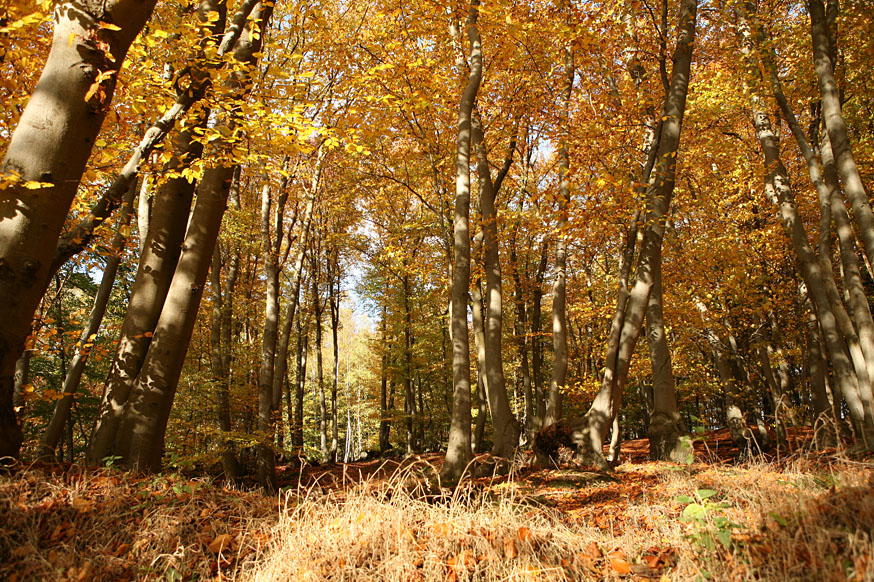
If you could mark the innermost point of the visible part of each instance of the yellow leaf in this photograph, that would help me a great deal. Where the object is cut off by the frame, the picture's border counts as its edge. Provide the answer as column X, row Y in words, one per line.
column 108, row 26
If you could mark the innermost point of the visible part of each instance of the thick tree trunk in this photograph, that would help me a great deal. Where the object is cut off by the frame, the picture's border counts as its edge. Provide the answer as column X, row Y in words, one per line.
column 458, row 453
column 140, row 436
column 506, row 427
column 200, row 73
column 154, row 275
column 664, row 422
column 51, row 145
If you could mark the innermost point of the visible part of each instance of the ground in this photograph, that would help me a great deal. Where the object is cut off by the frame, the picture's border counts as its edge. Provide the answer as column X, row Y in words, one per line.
column 799, row 516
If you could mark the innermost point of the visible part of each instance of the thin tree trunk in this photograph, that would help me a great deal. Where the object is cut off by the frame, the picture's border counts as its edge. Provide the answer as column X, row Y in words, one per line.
column 384, row 419
column 52, row 434
column 334, row 304
column 476, row 308
column 559, row 287
column 458, row 453
column 659, row 194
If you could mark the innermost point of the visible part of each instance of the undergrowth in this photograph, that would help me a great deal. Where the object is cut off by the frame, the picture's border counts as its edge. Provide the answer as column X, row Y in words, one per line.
column 802, row 519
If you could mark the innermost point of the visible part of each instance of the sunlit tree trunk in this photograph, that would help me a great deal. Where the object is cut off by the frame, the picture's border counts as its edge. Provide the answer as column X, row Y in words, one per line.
column 592, row 428
column 824, row 56
column 154, row 275
column 458, row 453
column 140, row 435
column 506, row 427
column 51, row 145
column 52, row 434
column 559, row 287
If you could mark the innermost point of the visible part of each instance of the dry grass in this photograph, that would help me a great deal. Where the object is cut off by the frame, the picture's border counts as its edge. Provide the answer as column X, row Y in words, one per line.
column 800, row 520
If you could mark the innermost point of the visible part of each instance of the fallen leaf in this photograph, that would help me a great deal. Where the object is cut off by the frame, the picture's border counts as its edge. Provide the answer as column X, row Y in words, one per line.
column 593, row 551
column 221, row 542
column 620, row 566
column 525, row 534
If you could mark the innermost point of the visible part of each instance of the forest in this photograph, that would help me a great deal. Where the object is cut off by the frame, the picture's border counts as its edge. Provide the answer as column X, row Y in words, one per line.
column 439, row 290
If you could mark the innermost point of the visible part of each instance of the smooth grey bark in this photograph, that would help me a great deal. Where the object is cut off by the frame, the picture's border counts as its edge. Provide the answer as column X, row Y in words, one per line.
column 824, row 51
column 144, row 209
column 559, row 286
column 479, row 338
column 152, row 282
column 320, row 370
column 220, row 335
column 272, row 235
column 140, row 435
column 506, row 428
column 859, row 333
column 537, row 341
column 664, row 423
column 458, row 453
column 51, row 145
column 829, row 312
column 53, row 432
column 593, row 426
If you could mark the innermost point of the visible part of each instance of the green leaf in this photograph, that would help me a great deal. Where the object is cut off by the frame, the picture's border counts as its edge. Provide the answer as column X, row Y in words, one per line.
column 778, row 518
column 724, row 537
column 684, row 499
column 706, row 493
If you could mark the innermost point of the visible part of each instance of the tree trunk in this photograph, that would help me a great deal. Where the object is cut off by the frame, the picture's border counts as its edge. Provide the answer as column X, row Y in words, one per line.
column 536, row 340
column 824, row 51
column 476, row 309
column 154, row 275
column 458, row 453
column 660, row 191
column 140, row 435
column 51, row 145
column 559, row 287
column 220, row 355
column 830, row 313
column 506, row 427
column 320, row 371
column 52, row 435
column 334, row 304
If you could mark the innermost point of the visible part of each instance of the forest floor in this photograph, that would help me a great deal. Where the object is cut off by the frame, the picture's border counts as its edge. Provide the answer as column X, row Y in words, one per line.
column 799, row 516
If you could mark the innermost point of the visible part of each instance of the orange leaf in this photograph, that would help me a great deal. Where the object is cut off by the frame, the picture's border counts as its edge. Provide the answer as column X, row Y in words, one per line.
column 525, row 534
column 221, row 542
column 620, row 565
